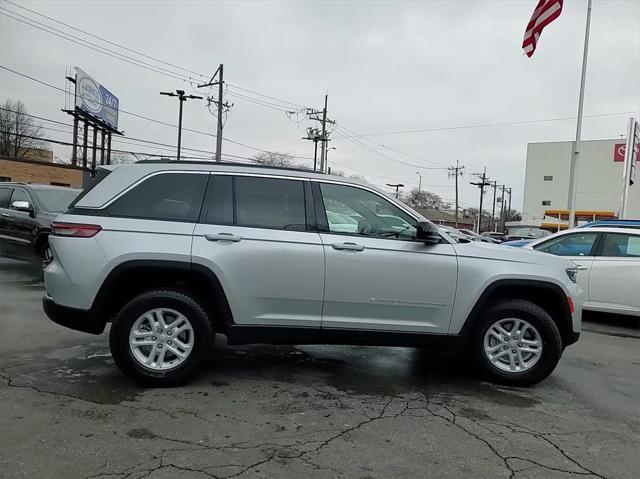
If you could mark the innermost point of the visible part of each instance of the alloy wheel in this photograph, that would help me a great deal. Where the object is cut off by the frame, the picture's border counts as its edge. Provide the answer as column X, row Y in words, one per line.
column 161, row 339
column 513, row 345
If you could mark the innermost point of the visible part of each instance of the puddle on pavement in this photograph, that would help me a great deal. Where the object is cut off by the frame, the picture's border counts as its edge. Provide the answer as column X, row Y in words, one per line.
column 360, row 370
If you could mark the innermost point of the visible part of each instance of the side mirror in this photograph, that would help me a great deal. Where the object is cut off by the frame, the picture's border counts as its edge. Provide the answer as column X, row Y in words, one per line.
column 427, row 232
column 22, row 206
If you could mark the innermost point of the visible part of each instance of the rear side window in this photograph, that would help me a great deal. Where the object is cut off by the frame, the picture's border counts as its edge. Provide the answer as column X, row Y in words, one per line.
column 166, row 197
column 5, row 193
column 270, row 203
column 621, row 245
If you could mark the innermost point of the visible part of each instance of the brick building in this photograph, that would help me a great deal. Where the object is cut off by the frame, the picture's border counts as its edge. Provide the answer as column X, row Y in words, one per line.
column 42, row 172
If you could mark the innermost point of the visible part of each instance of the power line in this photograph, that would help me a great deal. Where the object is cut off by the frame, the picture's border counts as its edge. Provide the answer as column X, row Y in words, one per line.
column 235, row 142
column 91, row 46
column 486, row 125
column 104, row 39
column 173, row 65
column 399, row 152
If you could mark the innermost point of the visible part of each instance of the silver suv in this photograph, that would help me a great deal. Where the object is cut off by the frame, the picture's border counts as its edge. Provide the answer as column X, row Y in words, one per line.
column 173, row 252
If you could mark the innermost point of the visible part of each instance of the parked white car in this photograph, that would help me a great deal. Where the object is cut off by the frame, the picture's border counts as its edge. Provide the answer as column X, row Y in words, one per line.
column 608, row 262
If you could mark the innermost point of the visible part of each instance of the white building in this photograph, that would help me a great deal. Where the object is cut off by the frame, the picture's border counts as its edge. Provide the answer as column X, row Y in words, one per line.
column 599, row 181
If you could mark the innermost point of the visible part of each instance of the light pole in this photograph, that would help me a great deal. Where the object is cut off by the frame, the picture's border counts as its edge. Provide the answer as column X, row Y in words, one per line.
column 326, row 158
column 397, row 186
column 420, row 183
column 181, row 99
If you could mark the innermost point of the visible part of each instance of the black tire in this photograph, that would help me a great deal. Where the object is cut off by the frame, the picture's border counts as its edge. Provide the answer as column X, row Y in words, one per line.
column 46, row 255
column 203, row 337
column 539, row 319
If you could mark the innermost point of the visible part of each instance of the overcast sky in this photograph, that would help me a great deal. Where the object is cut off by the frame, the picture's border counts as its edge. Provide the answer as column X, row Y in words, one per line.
column 387, row 66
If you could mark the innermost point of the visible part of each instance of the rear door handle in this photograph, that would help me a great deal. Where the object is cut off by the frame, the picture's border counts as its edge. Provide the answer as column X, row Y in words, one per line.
column 5, row 214
column 222, row 237
column 348, row 246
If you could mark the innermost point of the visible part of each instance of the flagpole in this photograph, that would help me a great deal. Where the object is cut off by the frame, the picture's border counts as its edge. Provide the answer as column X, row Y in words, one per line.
column 576, row 145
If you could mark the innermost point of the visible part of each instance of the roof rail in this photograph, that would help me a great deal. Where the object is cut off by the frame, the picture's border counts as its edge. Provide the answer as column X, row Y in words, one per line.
column 227, row 163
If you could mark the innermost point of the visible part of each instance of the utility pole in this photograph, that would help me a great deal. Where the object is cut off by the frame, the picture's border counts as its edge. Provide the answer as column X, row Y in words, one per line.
column 501, row 222
column 397, row 186
column 493, row 210
column 455, row 172
column 324, row 134
column 481, row 184
column 420, row 182
column 222, row 106
column 321, row 136
column 508, row 209
column 313, row 134
column 181, row 99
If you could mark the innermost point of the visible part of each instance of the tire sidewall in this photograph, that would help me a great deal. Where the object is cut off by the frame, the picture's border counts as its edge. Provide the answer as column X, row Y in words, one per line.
column 549, row 334
column 121, row 328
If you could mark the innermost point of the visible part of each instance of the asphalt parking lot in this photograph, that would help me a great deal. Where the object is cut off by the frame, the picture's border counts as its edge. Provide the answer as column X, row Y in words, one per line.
column 321, row 411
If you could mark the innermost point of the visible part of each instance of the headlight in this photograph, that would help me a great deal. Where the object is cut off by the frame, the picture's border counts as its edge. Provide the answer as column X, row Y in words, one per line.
column 573, row 274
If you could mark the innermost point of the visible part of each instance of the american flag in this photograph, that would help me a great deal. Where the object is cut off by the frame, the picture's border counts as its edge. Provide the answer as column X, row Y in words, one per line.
column 546, row 12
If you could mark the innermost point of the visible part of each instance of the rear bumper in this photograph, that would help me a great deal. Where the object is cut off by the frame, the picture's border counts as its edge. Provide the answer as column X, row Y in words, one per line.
column 78, row 319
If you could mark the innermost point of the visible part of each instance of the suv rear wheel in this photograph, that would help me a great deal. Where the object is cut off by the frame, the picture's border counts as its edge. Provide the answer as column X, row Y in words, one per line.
column 517, row 343
column 160, row 337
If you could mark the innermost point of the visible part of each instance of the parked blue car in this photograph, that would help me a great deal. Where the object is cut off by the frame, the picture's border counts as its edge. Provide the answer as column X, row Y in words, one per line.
column 613, row 224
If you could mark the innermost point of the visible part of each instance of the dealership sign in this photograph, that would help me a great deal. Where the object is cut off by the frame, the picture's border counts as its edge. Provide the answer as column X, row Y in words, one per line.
column 620, row 150
column 95, row 100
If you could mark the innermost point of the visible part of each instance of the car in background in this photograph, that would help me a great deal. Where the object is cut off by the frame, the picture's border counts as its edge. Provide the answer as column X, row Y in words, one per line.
column 518, row 243
column 455, row 234
column 476, row 237
column 612, row 224
column 608, row 261
column 26, row 213
column 496, row 235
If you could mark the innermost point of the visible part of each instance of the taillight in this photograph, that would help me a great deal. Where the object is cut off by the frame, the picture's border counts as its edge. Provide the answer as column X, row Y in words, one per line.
column 75, row 230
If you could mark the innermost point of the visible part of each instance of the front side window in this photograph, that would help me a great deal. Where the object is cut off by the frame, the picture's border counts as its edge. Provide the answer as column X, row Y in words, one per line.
column 164, row 197
column 352, row 210
column 270, row 203
column 20, row 195
column 621, row 245
column 575, row 244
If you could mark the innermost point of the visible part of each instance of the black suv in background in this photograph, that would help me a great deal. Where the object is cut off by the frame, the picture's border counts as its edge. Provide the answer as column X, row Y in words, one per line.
column 26, row 212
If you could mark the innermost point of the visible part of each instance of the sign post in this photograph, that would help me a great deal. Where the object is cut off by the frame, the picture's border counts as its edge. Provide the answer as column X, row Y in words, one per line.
column 630, row 164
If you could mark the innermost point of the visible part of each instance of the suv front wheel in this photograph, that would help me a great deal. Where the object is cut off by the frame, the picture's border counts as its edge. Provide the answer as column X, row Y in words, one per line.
column 160, row 337
column 517, row 343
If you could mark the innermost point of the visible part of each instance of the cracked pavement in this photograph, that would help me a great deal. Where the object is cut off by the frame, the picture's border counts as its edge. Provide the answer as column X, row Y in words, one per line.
column 307, row 411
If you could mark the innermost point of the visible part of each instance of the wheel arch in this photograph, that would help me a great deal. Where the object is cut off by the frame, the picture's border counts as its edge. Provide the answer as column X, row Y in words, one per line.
column 133, row 277
column 549, row 296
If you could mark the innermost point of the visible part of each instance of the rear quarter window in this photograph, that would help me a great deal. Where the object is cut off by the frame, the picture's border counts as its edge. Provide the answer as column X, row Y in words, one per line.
column 5, row 194
column 164, row 197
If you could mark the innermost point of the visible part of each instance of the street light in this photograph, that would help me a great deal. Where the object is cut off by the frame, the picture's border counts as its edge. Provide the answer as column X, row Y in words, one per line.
column 397, row 186
column 326, row 157
column 181, row 99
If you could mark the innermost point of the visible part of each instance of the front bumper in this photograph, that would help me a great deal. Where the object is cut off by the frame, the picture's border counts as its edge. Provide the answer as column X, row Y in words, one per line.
column 78, row 319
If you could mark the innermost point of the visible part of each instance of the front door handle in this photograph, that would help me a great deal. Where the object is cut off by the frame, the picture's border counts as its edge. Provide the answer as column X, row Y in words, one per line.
column 348, row 246
column 5, row 214
column 222, row 237
column 582, row 268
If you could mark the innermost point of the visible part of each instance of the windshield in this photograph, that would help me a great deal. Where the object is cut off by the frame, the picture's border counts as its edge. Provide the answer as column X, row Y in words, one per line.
column 56, row 200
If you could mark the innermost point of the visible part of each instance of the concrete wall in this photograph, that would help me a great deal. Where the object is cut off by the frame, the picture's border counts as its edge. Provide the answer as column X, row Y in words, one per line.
column 41, row 172
column 599, row 179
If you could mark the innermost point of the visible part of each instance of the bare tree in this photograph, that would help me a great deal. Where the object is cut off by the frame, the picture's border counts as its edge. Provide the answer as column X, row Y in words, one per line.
column 273, row 158
column 361, row 178
column 425, row 199
column 18, row 131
